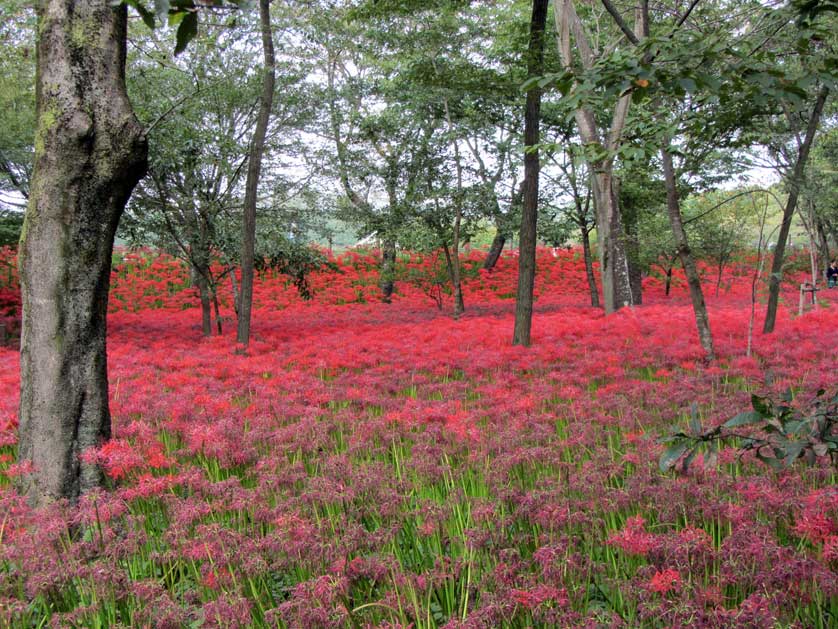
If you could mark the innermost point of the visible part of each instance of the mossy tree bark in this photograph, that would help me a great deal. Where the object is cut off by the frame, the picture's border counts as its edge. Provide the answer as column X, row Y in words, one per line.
column 90, row 152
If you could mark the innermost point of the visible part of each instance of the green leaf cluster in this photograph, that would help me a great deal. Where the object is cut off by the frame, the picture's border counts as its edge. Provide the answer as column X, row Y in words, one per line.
column 179, row 14
column 779, row 433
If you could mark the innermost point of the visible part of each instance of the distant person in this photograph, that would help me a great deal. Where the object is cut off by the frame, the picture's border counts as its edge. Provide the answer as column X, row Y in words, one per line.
column 832, row 274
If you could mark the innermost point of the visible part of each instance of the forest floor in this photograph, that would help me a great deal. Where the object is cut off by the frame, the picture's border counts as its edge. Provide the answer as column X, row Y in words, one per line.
column 367, row 464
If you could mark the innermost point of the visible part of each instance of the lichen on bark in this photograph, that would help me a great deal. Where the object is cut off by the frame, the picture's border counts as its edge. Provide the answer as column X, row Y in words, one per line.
column 90, row 152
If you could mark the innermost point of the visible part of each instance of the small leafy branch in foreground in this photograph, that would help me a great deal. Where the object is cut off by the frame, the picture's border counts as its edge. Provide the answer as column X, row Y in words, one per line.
column 775, row 431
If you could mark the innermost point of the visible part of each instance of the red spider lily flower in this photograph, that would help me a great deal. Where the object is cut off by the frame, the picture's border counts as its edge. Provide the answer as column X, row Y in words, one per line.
column 19, row 469
column 539, row 595
column 830, row 548
column 666, row 581
column 634, row 539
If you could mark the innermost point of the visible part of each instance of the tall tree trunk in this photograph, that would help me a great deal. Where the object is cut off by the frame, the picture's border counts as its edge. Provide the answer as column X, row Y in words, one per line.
column 589, row 267
column 498, row 243
column 254, row 169
column 614, row 270
column 776, row 276
column 90, row 152
column 388, row 270
column 702, row 321
column 529, row 212
column 459, row 305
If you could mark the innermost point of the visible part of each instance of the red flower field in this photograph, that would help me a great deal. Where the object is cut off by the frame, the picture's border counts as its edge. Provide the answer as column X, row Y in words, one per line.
column 370, row 464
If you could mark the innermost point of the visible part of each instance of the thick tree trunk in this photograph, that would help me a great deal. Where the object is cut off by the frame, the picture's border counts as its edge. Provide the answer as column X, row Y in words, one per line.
column 614, row 269
column 498, row 243
column 613, row 261
column 529, row 211
column 388, row 270
column 254, row 169
column 776, row 276
column 90, row 152
column 702, row 321
column 589, row 267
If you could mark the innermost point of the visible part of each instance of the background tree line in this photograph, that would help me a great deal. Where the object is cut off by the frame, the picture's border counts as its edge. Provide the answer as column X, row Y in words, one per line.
column 421, row 124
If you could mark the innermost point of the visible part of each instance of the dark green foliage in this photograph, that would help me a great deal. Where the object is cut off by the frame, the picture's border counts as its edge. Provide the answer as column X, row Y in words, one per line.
column 811, row 9
column 295, row 260
column 10, row 225
column 180, row 13
column 555, row 227
column 777, row 431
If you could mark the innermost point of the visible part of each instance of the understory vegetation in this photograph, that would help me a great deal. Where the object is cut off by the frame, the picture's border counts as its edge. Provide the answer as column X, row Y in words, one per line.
column 370, row 464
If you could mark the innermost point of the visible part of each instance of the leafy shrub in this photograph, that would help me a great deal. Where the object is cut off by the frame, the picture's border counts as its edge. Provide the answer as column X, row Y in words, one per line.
column 776, row 431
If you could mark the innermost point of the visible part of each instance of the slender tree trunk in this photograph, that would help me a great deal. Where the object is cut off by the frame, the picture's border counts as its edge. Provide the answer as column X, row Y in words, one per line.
column 459, row 304
column 589, row 267
column 254, row 169
column 218, row 322
column 450, row 263
column 206, row 306
column 388, row 270
column 234, row 288
column 529, row 212
column 702, row 321
column 755, row 280
column 632, row 240
column 776, row 276
column 668, row 283
column 823, row 247
column 722, row 261
column 501, row 236
column 498, row 242
column 90, row 152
